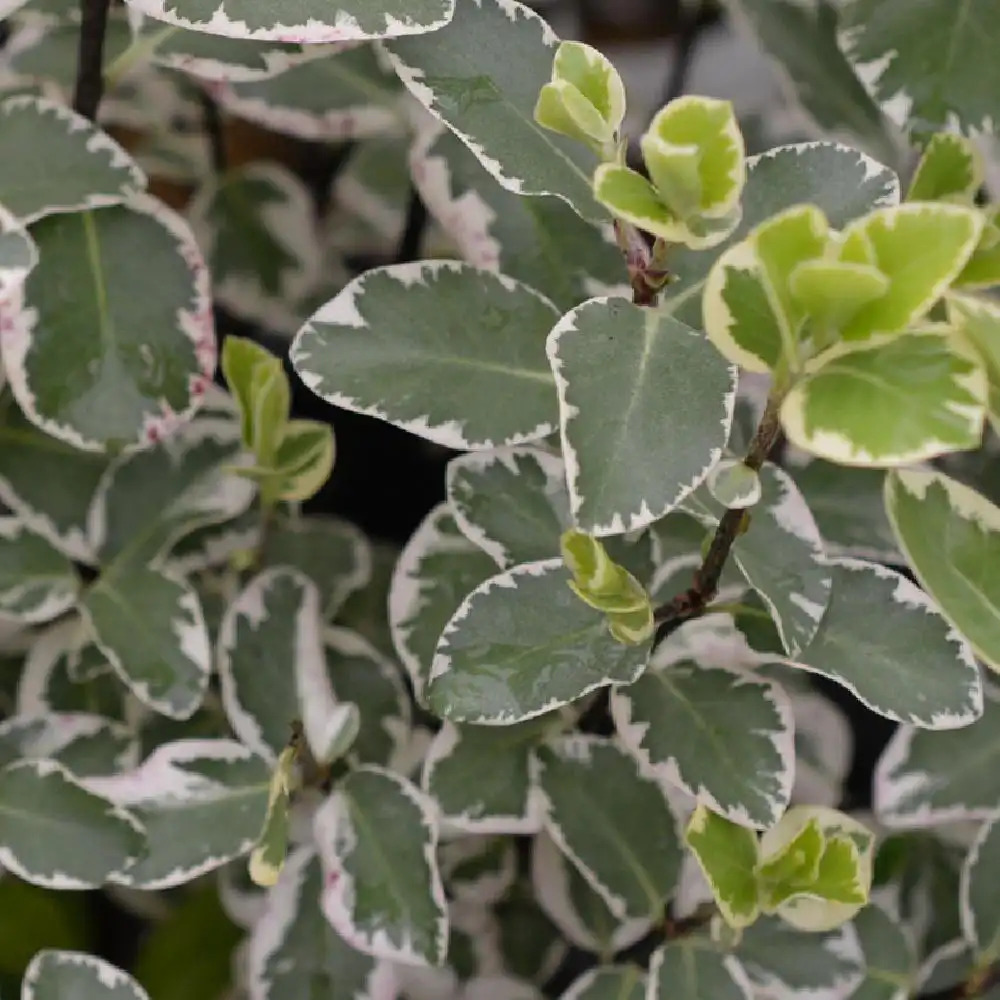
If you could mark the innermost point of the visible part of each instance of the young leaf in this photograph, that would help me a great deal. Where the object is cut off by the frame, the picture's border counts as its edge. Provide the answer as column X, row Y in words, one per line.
column 625, row 373
column 950, row 534
column 54, row 160
column 382, row 890
column 269, row 853
column 201, row 803
column 912, row 398
column 482, row 778
column 55, row 833
column 37, row 583
column 241, row 361
column 734, row 484
column 978, row 321
column 727, row 855
column 920, row 85
column 491, row 671
column 983, row 268
column 293, row 949
column 348, row 94
column 166, row 661
column 927, row 778
column 613, row 823
column 887, row 643
column 717, row 732
column 302, row 463
column 435, row 572
column 780, row 555
column 152, row 348
column 54, row 975
column 306, row 21
column 408, row 325
column 511, row 502
column 950, row 169
column 695, row 969
column 489, row 104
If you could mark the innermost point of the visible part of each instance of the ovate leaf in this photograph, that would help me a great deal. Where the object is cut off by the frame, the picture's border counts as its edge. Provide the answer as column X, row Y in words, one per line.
column 201, row 802
column 884, row 641
column 150, row 348
column 905, row 54
column 521, row 644
column 980, row 908
column 727, row 855
column 151, row 627
column 54, row 160
column 18, row 253
column 489, row 102
column 37, row 582
column 306, row 21
column 55, row 833
column 949, row 534
column 613, row 823
column 978, row 320
column 293, row 949
column 53, row 975
column 609, row 982
column 382, row 890
column 624, row 374
column 720, row 733
column 695, row 969
column 452, row 341
column 950, row 169
column 890, row 965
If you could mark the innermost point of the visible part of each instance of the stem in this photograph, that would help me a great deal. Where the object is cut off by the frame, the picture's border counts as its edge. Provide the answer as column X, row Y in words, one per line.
column 694, row 602
column 977, row 985
column 139, row 51
column 214, row 132
column 90, row 58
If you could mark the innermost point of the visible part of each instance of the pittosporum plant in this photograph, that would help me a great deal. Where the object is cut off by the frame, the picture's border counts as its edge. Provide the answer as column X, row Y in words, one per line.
column 722, row 446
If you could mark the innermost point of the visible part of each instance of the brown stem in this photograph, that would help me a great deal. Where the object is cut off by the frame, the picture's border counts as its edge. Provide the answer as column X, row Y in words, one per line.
column 693, row 602
column 90, row 57
column 978, row 985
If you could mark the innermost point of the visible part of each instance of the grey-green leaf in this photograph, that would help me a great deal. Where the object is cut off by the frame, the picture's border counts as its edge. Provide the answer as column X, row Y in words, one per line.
column 437, row 348
column 609, row 982
column 37, row 582
column 522, row 644
column 61, row 975
column 980, row 905
column 695, row 969
column 382, row 889
column 646, row 405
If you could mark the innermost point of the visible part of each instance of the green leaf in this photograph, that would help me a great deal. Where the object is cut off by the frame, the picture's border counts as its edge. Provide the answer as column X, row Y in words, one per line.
column 780, row 555
column 57, row 834
column 408, row 326
column 921, row 248
column 435, row 572
column 926, row 778
column 949, row 535
column 273, row 670
column 801, row 39
column 511, row 502
column 489, row 101
column 489, row 670
column 150, row 349
column 749, row 309
column 694, row 969
column 190, row 950
column 334, row 554
column 540, row 241
column 54, row 975
column 888, row 644
column 304, row 21
column 978, row 321
column 382, row 891
column 785, row 962
column 37, row 583
column 269, row 853
column 609, row 982
column 912, row 398
column 983, row 268
column 601, row 583
column 482, row 778
column 906, row 56
column 303, row 462
column 293, row 949
column 979, row 906
column 624, row 374
column 578, row 911
column 256, row 227
column 241, row 361
column 54, row 160
column 151, row 627
column 613, row 823
column 727, row 855
column 950, row 169
column 842, row 182
column 720, row 733
column 890, row 965
column 150, row 499
column 18, row 253
column 201, row 803
column 344, row 95
column 87, row 744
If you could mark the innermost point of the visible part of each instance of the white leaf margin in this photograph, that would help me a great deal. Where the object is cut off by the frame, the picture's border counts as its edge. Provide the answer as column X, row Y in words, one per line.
column 104, row 975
